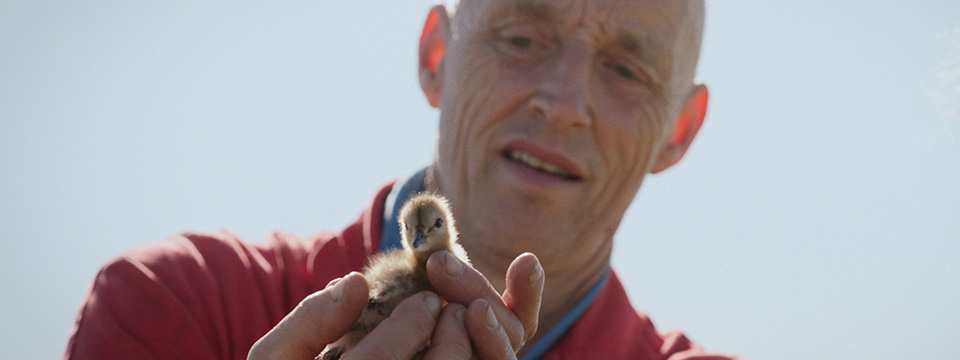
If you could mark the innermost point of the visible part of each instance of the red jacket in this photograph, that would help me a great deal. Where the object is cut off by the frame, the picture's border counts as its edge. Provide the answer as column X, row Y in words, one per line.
column 212, row 296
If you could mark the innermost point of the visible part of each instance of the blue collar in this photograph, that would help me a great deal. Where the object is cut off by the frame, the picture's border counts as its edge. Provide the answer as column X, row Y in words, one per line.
column 390, row 239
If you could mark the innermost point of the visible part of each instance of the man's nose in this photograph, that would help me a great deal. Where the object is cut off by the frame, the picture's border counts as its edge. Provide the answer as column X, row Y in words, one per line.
column 564, row 98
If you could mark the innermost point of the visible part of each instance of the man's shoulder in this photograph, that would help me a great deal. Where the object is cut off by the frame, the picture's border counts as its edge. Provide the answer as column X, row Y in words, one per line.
column 199, row 295
column 181, row 296
column 213, row 249
column 224, row 257
column 217, row 258
column 193, row 249
column 190, row 264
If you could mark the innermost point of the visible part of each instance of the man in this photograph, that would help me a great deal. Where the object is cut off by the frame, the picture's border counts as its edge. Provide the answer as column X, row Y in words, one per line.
column 551, row 114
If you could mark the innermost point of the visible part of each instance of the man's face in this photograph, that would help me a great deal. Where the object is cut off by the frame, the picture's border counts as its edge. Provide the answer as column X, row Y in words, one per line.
column 553, row 111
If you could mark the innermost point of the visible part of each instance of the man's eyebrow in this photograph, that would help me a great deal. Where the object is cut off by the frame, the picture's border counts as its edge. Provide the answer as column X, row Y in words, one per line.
column 636, row 43
column 535, row 9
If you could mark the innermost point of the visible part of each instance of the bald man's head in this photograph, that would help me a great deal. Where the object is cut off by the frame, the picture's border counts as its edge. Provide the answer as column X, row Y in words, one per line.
column 553, row 111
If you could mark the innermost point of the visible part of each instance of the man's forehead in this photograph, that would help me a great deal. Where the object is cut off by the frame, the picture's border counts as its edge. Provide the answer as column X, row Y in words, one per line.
column 652, row 11
column 634, row 23
column 663, row 32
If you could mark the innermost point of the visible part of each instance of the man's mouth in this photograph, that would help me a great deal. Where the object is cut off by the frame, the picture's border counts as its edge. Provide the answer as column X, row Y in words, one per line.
column 539, row 164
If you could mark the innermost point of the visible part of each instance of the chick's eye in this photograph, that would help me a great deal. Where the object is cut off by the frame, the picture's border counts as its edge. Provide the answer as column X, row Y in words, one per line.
column 439, row 223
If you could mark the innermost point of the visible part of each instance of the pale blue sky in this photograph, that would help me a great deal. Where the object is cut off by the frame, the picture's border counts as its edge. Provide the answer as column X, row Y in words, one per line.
column 816, row 216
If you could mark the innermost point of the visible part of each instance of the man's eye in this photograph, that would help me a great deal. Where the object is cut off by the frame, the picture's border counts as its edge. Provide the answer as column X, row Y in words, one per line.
column 523, row 43
column 624, row 71
column 520, row 41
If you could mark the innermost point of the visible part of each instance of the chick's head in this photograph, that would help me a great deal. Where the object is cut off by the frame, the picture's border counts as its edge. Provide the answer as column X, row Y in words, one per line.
column 426, row 225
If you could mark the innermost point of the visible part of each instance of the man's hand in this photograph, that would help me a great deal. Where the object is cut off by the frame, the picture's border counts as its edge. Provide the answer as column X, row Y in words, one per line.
column 498, row 326
column 325, row 316
column 488, row 325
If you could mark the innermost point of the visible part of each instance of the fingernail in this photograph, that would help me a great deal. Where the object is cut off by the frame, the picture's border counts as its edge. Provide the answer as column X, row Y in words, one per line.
column 336, row 292
column 491, row 318
column 454, row 267
column 433, row 303
column 459, row 313
column 535, row 274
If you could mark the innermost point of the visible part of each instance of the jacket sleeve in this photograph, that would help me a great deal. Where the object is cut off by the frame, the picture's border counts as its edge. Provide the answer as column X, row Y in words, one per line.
column 132, row 314
column 211, row 296
column 187, row 297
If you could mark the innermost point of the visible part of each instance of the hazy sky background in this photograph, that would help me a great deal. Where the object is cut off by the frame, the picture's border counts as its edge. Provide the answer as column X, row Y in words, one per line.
column 816, row 216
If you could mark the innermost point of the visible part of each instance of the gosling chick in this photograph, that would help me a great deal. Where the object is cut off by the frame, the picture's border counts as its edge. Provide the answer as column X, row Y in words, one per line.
column 426, row 226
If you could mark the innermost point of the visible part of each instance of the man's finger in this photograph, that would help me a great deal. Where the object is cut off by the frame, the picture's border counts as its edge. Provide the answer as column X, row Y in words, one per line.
column 489, row 338
column 458, row 283
column 525, row 281
column 319, row 319
column 450, row 340
column 404, row 333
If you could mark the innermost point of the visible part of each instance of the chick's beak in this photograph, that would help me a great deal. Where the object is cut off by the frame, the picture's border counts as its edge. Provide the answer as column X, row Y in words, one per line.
column 419, row 238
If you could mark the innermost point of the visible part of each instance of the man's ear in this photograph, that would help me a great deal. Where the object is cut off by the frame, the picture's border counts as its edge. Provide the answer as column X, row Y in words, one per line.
column 686, row 128
column 432, row 48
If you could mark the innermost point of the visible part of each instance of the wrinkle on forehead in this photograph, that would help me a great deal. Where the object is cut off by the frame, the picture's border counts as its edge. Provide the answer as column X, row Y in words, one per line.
column 535, row 9
column 665, row 33
column 690, row 10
